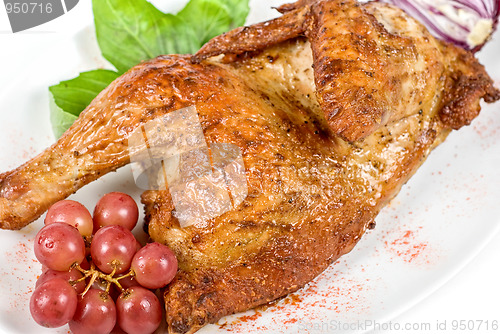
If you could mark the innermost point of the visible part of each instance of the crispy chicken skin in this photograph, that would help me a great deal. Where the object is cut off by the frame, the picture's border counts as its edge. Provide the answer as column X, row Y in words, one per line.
column 330, row 124
column 367, row 73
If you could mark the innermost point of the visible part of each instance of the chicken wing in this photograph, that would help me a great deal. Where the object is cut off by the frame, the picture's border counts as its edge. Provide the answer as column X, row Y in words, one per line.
column 330, row 125
column 367, row 73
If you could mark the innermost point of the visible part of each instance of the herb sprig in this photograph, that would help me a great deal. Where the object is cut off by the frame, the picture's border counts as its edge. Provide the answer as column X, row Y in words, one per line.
column 131, row 31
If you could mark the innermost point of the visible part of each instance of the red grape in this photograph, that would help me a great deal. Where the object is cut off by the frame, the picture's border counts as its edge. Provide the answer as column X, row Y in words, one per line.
column 118, row 330
column 154, row 265
column 139, row 311
column 85, row 263
column 95, row 314
column 59, row 246
column 100, row 284
column 103, row 285
column 116, row 209
column 71, row 275
column 113, row 248
column 53, row 303
column 127, row 282
column 71, row 213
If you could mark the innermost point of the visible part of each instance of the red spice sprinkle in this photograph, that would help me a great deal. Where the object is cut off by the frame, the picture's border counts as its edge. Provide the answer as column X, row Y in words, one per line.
column 254, row 317
column 21, row 263
column 408, row 248
column 331, row 292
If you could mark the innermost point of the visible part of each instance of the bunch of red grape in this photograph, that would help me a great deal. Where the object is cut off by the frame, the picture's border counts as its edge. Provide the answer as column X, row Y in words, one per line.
column 96, row 274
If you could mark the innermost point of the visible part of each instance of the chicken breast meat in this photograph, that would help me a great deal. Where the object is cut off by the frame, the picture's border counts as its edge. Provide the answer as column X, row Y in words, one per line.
column 334, row 105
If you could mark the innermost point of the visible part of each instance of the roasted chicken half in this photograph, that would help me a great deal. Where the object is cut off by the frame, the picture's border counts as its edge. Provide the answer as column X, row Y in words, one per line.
column 334, row 105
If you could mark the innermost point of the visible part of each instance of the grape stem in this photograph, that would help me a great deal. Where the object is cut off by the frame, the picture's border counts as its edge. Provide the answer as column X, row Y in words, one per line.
column 95, row 273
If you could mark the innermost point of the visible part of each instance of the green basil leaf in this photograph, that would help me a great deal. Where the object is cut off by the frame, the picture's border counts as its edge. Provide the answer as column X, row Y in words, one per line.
column 208, row 18
column 59, row 119
column 131, row 31
column 74, row 95
column 71, row 97
column 239, row 10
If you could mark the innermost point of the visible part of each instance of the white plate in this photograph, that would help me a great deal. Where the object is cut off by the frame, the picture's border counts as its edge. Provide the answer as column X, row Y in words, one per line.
column 441, row 219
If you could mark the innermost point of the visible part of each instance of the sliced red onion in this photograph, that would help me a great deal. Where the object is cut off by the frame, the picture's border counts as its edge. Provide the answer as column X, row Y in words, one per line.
column 466, row 23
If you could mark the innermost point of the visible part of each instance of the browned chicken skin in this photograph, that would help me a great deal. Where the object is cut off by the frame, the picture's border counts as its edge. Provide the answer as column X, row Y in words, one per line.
column 367, row 74
column 313, row 186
